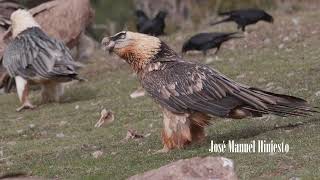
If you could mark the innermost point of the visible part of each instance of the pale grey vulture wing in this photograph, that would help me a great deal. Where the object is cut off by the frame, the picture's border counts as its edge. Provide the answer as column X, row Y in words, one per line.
column 33, row 55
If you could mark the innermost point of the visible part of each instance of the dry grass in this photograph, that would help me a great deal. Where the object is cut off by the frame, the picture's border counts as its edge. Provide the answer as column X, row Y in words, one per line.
column 57, row 140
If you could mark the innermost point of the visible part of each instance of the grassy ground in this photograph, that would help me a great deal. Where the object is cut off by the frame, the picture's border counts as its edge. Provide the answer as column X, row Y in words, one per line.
column 57, row 140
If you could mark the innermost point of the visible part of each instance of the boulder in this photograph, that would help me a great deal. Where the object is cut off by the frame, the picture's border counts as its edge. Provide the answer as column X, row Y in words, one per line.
column 196, row 168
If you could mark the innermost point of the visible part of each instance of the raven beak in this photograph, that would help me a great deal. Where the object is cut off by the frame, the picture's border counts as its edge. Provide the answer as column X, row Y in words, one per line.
column 108, row 44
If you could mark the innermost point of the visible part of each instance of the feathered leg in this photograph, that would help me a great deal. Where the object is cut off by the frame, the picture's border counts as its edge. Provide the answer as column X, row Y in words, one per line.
column 52, row 92
column 23, row 93
column 176, row 132
column 198, row 122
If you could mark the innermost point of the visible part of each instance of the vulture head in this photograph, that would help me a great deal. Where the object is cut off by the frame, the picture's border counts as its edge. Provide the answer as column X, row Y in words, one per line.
column 21, row 20
column 133, row 47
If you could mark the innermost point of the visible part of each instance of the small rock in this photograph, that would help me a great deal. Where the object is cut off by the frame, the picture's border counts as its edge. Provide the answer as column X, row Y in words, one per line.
column 295, row 21
column 218, row 59
column 294, row 178
column 106, row 118
column 195, row 168
column 20, row 131
column 132, row 134
column 19, row 118
column 280, row 90
column 31, row 126
column 281, row 46
column 241, row 76
column 43, row 133
column 77, row 107
column 290, row 74
column 209, row 60
column 267, row 41
column 60, row 135
column 62, row 123
column 261, row 80
column 12, row 143
column 138, row 93
column 286, row 39
column 97, row 154
column 317, row 93
column 231, row 60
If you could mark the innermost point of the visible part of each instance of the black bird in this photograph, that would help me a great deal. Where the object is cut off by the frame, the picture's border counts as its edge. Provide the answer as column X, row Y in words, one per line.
column 142, row 18
column 245, row 17
column 154, row 27
column 205, row 41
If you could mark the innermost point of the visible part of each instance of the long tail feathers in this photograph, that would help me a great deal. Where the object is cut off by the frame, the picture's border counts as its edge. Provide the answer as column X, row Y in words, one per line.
column 284, row 105
column 225, row 13
column 221, row 21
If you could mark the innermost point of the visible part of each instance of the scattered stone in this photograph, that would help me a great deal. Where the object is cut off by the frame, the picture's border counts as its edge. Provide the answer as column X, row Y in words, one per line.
column 241, row 76
column 267, row 41
column 62, row 123
column 261, row 80
column 280, row 90
column 290, row 74
column 286, row 39
column 295, row 21
column 97, row 154
column 132, row 134
column 106, row 118
column 195, row 168
column 19, row 118
column 231, row 60
column 31, row 126
column 11, row 143
column 138, row 93
column 294, row 178
column 209, row 60
column 20, row 131
column 317, row 93
column 218, row 59
column 60, row 135
column 281, row 46
column 43, row 133
column 77, row 107
column 269, row 86
column 147, row 135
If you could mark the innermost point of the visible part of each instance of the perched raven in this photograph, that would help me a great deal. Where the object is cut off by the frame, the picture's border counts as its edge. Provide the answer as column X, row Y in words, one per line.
column 142, row 18
column 245, row 17
column 154, row 27
column 205, row 41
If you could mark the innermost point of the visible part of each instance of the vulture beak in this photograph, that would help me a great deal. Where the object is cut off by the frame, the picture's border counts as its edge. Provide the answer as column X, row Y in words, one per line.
column 108, row 44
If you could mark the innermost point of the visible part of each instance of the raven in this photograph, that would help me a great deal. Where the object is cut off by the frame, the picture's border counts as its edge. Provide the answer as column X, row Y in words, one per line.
column 244, row 17
column 142, row 18
column 154, row 27
column 205, row 41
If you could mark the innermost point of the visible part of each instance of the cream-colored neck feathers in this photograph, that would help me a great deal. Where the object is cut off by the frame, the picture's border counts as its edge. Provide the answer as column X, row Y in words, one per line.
column 139, row 50
column 22, row 20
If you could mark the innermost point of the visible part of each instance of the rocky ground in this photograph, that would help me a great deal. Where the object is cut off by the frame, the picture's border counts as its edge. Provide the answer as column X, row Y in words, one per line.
column 60, row 140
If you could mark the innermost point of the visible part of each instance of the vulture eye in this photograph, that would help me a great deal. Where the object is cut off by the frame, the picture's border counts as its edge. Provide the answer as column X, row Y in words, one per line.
column 123, row 36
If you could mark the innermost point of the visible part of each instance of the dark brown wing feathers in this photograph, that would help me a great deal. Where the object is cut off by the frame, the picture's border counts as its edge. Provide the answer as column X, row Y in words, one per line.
column 187, row 87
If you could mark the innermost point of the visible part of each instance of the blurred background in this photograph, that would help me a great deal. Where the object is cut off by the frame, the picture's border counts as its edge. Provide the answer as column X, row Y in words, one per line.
column 113, row 16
